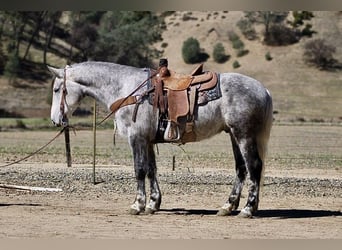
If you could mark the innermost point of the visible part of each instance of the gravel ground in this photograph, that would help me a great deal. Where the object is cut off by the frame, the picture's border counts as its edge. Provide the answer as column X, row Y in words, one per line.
column 301, row 198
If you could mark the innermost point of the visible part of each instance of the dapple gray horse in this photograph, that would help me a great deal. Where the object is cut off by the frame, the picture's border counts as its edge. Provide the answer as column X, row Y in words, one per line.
column 244, row 111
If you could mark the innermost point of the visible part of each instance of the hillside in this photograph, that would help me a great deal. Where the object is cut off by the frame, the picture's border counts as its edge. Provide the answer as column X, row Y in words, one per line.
column 300, row 92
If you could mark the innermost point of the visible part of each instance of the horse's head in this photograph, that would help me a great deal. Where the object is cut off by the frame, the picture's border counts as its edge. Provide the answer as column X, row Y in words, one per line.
column 66, row 94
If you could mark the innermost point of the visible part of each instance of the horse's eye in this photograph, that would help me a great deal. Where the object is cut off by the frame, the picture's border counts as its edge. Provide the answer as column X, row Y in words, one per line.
column 55, row 90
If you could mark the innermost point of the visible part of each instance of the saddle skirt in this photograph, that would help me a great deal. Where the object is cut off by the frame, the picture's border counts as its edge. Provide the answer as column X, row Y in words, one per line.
column 182, row 93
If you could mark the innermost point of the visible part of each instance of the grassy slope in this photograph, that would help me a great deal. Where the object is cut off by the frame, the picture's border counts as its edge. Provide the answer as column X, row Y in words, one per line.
column 298, row 91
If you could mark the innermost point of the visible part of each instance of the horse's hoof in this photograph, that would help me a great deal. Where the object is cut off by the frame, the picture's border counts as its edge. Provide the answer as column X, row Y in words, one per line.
column 224, row 212
column 150, row 210
column 246, row 213
column 133, row 211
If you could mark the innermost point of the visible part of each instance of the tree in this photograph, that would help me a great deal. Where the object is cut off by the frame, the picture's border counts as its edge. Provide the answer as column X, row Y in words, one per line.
column 15, row 25
column 266, row 18
column 49, row 27
column 126, row 37
column 84, row 33
column 320, row 54
column 37, row 19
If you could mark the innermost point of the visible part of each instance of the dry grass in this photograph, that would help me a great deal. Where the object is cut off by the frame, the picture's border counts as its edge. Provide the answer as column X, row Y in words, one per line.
column 300, row 93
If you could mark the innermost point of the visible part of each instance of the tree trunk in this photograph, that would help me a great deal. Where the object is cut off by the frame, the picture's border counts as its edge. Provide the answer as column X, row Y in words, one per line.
column 36, row 31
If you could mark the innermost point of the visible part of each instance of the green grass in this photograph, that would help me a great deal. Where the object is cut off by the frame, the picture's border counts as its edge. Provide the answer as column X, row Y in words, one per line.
column 46, row 124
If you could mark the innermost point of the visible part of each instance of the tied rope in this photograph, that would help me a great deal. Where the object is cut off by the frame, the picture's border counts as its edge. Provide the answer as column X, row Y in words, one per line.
column 37, row 151
column 63, row 102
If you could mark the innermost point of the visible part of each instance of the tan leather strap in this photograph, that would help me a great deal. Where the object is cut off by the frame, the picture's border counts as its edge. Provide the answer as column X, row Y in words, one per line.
column 122, row 102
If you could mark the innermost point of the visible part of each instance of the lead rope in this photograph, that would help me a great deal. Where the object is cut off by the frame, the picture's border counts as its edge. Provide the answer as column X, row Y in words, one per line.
column 63, row 102
column 37, row 151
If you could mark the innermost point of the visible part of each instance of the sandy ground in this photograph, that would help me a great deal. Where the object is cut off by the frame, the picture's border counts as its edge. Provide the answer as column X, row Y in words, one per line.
column 299, row 201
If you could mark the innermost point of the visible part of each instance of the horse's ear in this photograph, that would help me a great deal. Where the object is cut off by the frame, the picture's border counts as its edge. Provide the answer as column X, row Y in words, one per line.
column 55, row 71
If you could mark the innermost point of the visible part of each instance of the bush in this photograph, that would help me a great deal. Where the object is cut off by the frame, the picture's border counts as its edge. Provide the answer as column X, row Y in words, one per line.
column 191, row 51
column 247, row 29
column 235, row 39
column 242, row 52
column 280, row 35
column 320, row 54
column 300, row 16
column 307, row 30
column 236, row 64
column 268, row 56
column 219, row 54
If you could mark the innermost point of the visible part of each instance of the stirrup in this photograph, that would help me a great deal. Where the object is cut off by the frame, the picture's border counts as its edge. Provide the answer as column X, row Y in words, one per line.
column 171, row 132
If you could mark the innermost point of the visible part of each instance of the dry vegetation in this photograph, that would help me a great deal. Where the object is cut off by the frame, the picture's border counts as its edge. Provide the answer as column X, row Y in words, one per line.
column 300, row 92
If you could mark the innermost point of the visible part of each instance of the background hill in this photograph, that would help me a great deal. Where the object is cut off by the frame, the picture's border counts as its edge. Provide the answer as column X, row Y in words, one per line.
column 300, row 92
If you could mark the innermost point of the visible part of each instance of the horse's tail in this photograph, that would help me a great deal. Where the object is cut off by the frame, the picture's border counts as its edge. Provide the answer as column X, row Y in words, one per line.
column 264, row 136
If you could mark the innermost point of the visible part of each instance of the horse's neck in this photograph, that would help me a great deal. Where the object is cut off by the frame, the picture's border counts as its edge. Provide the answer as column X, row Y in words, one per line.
column 106, row 85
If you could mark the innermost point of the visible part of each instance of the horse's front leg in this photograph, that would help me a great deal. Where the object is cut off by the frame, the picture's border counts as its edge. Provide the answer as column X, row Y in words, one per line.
column 140, row 157
column 155, row 196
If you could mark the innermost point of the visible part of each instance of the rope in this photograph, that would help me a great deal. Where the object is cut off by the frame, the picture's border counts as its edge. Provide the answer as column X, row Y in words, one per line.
column 37, row 151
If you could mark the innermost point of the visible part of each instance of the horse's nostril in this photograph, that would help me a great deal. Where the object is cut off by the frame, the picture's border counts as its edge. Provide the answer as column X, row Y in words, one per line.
column 56, row 124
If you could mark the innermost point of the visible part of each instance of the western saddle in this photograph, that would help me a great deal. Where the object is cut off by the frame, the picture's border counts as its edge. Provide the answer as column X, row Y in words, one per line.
column 176, row 97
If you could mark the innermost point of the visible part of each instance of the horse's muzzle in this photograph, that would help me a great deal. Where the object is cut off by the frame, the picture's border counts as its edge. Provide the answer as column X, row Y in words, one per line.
column 64, row 122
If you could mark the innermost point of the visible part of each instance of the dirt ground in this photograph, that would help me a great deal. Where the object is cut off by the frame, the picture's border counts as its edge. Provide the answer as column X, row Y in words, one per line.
column 302, row 196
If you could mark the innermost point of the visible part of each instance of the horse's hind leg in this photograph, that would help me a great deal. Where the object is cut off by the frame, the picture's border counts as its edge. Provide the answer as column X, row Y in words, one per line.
column 155, row 196
column 254, row 166
column 241, row 172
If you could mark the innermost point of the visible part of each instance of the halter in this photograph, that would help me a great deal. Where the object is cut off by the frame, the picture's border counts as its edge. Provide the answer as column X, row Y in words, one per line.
column 63, row 99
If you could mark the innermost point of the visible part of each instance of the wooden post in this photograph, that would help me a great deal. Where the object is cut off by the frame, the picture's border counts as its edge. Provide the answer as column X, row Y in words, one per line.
column 94, row 141
column 67, row 146
column 173, row 162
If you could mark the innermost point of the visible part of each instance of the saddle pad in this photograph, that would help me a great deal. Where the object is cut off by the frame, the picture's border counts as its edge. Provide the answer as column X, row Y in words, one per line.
column 210, row 95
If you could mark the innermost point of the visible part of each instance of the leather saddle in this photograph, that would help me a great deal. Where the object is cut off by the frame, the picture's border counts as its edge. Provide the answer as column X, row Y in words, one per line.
column 182, row 93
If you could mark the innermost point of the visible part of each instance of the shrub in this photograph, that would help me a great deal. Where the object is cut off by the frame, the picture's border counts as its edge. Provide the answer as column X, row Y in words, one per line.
column 307, row 30
column 247, row 29
column 279, row 35
column 300, row 16
column 191, row 51
column 219, row 54
column 235, row 39
column 320, row 54
column 236, row 64
column 242, row 52
column 268, row 56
